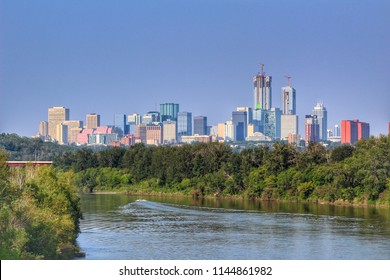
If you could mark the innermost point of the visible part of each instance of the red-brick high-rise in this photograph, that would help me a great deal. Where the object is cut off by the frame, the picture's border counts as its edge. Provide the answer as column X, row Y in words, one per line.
column 353, row 130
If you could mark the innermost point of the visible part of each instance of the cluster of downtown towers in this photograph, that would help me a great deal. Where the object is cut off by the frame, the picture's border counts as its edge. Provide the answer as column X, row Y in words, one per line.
column 263, row 122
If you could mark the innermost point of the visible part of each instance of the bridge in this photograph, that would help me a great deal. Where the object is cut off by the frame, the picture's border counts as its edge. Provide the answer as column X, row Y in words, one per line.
column 22, row 163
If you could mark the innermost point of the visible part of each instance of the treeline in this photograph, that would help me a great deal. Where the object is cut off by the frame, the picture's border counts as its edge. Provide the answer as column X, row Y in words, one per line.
column 355, row 174
column 39, row 212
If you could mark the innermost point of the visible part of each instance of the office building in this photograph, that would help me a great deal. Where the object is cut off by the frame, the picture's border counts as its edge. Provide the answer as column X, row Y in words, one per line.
column 336, row 131
column 184, row 124
column 140, row 133
column 74, row 128
column 200, row 125
column 289, row 125
column 120, row 124
column 150, row 117
column 62, row 134
column 239, row 119
column 249, row 113
column 221, row 131
column 312, row 129
column 272, row 123
column 134, row 119
column 43, row 129
column 354, row 130
column 154, row 134
column 196, row 139
column 92, row 121
column 229, row 131
column 56, row 115
column 289, row 101
column 169, row 132
column 262, row 91
column 168, row 111
column 322, row 119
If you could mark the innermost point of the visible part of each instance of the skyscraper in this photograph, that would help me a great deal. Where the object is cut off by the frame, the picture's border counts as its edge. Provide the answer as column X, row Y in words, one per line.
column 322, row 119
column 200, row 125
column 43, row 128
column 184, row 124
column 289, row 125
column 120, row 124
column 262, row 91
column 353, row 130
column 92, row 121
column 289, row 100
column 312, row 129
column 239, row 119
column 74, row 128
column 168, row 111
column 169, row 132
column 336, row 131
column 56, row 115
column 272, row 123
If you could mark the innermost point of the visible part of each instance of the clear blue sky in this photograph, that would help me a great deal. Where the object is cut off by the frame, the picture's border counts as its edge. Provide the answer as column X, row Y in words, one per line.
column 127, row 56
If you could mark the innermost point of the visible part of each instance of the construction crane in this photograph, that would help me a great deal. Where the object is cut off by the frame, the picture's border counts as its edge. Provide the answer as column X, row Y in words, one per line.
column 262, row 68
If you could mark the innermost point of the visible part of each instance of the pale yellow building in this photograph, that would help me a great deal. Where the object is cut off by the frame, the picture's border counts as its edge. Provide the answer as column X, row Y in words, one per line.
column 62, row 134
column 74, row 128
column 92, row 121
column 56, row 115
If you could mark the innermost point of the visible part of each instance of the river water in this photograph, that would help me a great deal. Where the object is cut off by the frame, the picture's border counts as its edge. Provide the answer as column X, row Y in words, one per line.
column 117, row 226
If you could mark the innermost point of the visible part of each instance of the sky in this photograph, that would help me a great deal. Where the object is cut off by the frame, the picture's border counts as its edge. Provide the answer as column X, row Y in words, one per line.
column 126, row 56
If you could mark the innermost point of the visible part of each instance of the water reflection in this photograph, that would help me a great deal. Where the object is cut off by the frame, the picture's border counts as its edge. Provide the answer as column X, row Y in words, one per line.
column 125, row 227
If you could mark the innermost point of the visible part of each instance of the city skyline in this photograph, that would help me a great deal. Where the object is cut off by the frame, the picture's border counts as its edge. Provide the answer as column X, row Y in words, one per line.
column 131, row 57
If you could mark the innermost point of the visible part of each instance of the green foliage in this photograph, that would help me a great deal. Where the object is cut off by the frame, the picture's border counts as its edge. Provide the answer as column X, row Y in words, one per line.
column 345, row 173
column 39, row 214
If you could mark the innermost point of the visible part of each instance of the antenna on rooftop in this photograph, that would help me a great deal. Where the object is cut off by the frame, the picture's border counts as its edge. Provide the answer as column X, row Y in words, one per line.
column 262, row 68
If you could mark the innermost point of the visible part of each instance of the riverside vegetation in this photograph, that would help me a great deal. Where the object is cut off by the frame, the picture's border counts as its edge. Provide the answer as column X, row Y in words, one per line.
column 39, row 212
column 39, row 207
column 345, row 174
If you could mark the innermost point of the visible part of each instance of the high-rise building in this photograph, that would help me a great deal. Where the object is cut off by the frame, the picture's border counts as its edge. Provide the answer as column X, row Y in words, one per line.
column 120, row 123
column 43, row 128
column 169, row 132
column 168, row 111
column 289, row 125
column 92, row 121
column 200, row 125
column 74, row 128
column 56, row 115
column 336, row 131
column 150, row 117
column 312, row 129
column 289, row 105
column 134, row 119
column 353, row 130
column 239, row 119
column 322, row 119
column 140, row 133
column 229, row 131
column 184, row 124
column 154, row 133
column 262, row 91
column 62, row 134
column 249, row 113
column 272, row 123
column 221, row 131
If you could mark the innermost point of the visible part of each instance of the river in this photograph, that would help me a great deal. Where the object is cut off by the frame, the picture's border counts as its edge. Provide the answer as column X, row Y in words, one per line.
column 117, row 226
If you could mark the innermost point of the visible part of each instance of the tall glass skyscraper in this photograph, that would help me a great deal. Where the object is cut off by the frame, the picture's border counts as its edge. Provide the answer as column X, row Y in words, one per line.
column 184, row 124
column 168, row 111
column 272, row 123
column 262, row 92
column 120, row 124
column 289, row 106
column 240, row 123
column 200, row 125
column 322, row 119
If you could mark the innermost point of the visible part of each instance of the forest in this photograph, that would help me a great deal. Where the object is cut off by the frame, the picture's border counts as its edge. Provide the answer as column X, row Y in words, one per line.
column 346, row 174
column 39, row 212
